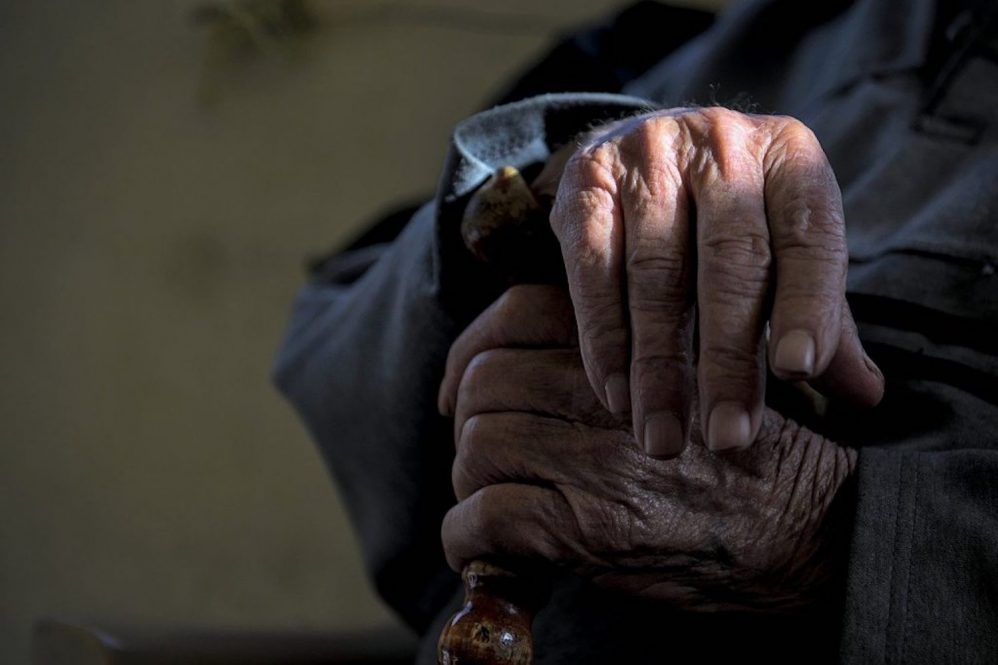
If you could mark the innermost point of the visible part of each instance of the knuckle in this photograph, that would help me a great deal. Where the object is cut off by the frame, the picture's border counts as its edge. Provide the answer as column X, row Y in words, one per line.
column 648, row 363
column 820, row 307
column 744, row 256
column 735, row 296
column 472, row 378
column 473, row 434
column 747, row 244
column 479, row 374
column 477, row 462
column 585, row 216
column 656, row 182
column 664, row 380
column 726, row 361
column 647, row 133
column 644, row 139
column 668, row 262
column 591, row 198
column 792, row 131
column 525, row 293
column 488, row 515
column 598, row 200
column 712, row 125
column 588, row 178
column 468, row 476
column 573, row 204
column 602, row 331
column 526, row 312
column 805, row 228
column 483, row 365
column 814, row 255
column 528, row 298
column 511, row 305
column 791, row 141
column 647, row 138
column 596, row 300
column 658, row 281
column 787, row 130
column 720, row 115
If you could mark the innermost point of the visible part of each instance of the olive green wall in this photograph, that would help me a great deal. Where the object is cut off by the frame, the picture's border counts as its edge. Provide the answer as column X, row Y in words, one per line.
column 157, row 199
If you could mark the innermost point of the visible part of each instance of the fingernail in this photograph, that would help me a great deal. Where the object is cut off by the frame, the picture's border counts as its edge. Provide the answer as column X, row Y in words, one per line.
column 443, row 403
column 663, row 435
column 872, row 366
column 795, row 353
column 618, row 394
column 729, row 427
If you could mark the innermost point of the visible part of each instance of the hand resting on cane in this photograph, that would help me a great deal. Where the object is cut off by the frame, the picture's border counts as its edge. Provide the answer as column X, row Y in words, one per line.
column 544, row 472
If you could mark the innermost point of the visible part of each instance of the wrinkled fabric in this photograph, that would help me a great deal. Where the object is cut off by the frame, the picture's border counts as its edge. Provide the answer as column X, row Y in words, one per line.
column 905, row 111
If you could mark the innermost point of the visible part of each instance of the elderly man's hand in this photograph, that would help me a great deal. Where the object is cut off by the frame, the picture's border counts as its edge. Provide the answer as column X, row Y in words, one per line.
column 544, row 472
column 767, row 245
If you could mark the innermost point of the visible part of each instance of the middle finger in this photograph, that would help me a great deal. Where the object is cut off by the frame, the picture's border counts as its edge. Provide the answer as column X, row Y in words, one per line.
column 732, row 284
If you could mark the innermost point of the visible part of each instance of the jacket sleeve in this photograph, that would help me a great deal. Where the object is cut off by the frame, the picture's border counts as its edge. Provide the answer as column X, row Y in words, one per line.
column 924, row 584
column 923, row 570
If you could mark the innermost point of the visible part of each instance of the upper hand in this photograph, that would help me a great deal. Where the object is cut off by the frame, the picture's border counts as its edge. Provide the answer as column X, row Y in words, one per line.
column 767, row 245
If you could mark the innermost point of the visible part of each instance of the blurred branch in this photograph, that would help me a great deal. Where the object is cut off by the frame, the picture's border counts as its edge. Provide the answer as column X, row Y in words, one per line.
column 254, row 25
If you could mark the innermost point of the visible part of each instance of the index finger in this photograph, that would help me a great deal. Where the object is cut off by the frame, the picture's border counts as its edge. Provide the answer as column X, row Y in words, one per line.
column 587, row 221
column 525, row 315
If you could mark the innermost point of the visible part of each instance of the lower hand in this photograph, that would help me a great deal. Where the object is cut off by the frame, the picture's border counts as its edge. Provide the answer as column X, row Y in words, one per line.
column 544, row 472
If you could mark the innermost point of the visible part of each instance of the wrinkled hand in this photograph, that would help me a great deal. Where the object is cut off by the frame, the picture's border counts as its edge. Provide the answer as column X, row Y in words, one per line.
column 767, row 245
column 543, row 472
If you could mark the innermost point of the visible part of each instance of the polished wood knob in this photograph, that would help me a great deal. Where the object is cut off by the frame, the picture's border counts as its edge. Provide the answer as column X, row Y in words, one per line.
column 494, row 625
column 506, row 226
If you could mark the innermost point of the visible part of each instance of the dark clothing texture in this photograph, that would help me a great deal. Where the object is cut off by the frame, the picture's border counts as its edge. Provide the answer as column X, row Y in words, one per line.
column 903, row 95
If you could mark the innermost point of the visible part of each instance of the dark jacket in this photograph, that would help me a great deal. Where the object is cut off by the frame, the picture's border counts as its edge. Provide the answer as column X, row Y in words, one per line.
column 903, row 96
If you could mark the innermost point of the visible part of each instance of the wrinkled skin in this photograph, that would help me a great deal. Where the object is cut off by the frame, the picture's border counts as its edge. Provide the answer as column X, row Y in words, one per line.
column 544, row 472
column 717, row 221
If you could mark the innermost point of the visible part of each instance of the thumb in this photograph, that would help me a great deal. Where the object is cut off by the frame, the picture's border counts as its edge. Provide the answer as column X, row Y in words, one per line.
column 851, row 377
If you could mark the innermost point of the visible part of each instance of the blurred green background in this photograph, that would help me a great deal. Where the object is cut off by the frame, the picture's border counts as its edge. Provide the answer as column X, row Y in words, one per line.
column 162, row 182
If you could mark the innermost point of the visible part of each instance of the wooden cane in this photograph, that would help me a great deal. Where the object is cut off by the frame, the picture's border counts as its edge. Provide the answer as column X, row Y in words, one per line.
column 505, row 226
